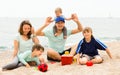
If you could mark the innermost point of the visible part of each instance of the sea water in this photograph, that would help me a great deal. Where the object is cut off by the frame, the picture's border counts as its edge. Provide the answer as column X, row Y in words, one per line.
column 104, row 29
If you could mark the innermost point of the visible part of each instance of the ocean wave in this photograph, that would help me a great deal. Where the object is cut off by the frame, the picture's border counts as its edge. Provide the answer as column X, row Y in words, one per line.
column 3, row 48
column 109, row 39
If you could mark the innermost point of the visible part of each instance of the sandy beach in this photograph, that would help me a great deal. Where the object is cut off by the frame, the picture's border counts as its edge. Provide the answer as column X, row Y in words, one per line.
column 108, row 67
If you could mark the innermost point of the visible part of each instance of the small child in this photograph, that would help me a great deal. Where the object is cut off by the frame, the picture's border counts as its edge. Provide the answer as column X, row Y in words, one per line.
column 58, row 12
column 87, row 48
column 26, row 57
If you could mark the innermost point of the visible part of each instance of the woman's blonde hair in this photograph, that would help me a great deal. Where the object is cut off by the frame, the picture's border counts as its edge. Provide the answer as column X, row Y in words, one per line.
column 58, row 10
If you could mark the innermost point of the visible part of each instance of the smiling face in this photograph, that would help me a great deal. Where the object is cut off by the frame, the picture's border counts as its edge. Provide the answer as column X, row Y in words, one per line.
column 58, row 12
column 87, row 33
column 37, row 49
column 26, row 29
column 38, row 52
column 60, row 25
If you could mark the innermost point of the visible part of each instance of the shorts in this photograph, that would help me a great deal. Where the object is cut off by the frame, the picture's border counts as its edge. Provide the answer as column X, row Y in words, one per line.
column 90, row 57
column 51, row 59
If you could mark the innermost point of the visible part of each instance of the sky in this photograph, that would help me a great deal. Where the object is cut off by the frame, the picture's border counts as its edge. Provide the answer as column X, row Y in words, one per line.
column 44, row 8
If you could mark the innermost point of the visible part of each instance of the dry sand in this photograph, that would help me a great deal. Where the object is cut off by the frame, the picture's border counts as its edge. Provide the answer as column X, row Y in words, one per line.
column 108, row 67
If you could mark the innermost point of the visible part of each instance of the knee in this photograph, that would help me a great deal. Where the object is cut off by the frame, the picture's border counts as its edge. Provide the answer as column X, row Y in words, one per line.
column 13, row 63
column 98, row 60
column 83, row 61
column 49, row 51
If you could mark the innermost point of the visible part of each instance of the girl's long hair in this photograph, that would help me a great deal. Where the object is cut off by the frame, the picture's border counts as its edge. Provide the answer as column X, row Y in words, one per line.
column 21, row 28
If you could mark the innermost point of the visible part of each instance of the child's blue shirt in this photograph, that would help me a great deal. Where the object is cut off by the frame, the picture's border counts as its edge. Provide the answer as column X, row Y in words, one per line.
column 91, row 47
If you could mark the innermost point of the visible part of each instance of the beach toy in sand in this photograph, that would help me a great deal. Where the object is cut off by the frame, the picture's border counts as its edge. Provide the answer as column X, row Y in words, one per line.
column 66, row 52
column 35, row 68
column 43, row 67
column 66, row 59
column 74, row 59
column 89, row 63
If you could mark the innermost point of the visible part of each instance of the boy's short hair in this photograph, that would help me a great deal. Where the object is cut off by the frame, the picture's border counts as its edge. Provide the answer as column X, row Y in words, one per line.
column 87, row 29
column 58, row 9
column 38, row 47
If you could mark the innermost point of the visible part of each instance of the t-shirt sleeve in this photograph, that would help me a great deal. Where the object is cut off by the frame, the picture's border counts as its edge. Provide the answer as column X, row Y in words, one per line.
column 69, row 32
column 23, row 56
column 37, row 61
column 100, row 45
column 79, row 47
column 47, row 33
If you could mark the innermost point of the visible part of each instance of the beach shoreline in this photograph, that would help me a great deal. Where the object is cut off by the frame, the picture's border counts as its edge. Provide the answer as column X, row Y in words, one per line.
column 108, row 67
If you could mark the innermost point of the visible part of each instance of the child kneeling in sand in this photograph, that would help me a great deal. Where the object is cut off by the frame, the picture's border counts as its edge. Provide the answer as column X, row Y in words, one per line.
column 26, row 57
column 87, row 48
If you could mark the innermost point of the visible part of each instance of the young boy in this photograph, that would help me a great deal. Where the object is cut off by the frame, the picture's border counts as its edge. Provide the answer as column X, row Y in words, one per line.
column 58, row 12
column 26, row 57
column 87, row 48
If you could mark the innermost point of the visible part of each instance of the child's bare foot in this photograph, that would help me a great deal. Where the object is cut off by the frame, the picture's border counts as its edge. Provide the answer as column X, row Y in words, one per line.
column 65, row 37
column 1, row 69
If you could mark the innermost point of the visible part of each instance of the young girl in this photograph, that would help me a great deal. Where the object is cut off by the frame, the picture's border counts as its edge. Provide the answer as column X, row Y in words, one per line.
column 27, row 56
column 87, row 48
column 58, row 13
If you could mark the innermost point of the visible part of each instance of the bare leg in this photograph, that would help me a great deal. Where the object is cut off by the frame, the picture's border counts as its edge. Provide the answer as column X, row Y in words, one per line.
column 53, row 54
column 73, row 49
column 97, row 60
